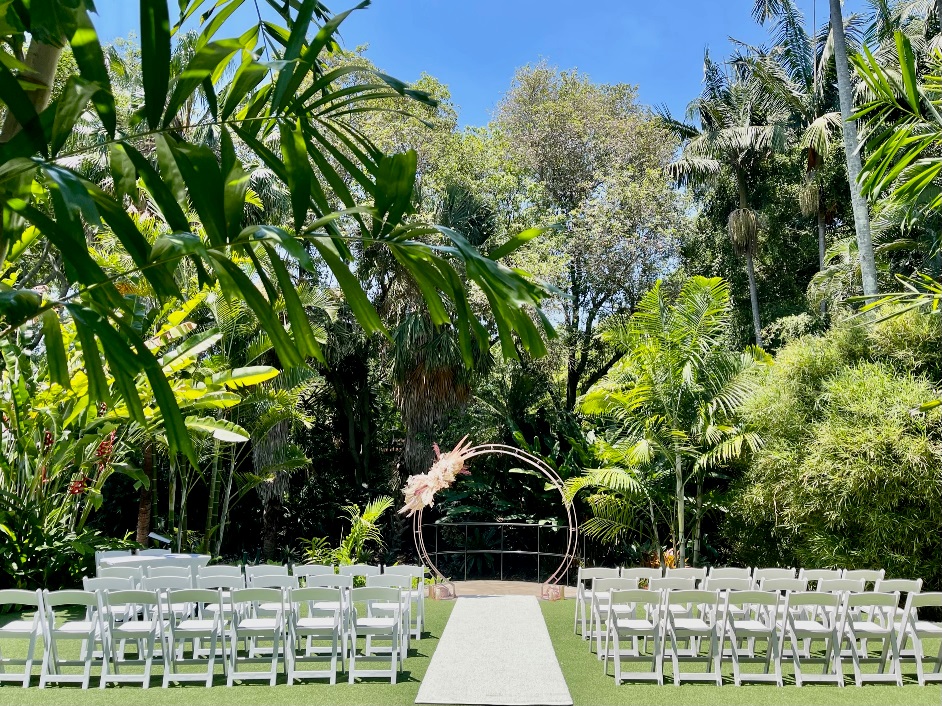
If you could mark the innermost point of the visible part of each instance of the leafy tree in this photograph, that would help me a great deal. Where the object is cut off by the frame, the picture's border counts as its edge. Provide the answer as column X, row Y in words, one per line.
column 669, row 406
column 596, row 161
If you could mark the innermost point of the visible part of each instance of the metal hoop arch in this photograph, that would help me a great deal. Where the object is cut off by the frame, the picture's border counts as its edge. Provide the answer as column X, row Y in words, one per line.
column 551, row 475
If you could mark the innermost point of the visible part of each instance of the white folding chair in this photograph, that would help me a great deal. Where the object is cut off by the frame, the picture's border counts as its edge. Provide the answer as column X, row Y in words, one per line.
column 584, row 578
column 359, row 570
column 403, row 584
column 416, row 593
column 785, row 585
column 699, row 622
column 344, row 584
column 162, row 584
column 225, row 570
column 643, row 574
column 676, row 583
column 252, row 572
column 758, row 575
column 814, row 615
column 203, row 620
column 907, row 588
column 918, row 629
column 364, row 624
column 750, row 616
column 282, row 582
column 684, row 572
column 711, row 583
column 226, row 583
column 110, row 554
column 112, row 583
column 872, row 616
column 135, row 573
column 245, row 624
column 815, row 575
column 145, row 631
column 314, row 614
column 29, row 629
column 87, row 631
column 729, row 572
column 600, row 594
column 303, row 571
column 625, row 624
column 174, row 571
column 868, row 575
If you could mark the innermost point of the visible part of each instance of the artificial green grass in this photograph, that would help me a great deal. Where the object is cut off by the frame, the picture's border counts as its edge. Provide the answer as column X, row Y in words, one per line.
column 366, row 692
column 589, row 686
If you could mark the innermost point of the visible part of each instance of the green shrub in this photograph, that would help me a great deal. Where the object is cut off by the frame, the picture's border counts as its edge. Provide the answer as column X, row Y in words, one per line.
column 849, row 475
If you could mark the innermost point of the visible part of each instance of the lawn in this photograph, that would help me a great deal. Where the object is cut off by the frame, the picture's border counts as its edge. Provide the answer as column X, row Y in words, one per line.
column 590, row 687
column 583, row 672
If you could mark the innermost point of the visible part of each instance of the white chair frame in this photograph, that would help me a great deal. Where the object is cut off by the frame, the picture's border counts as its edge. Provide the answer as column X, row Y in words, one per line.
column 29, row 629
column 88, row 631
column 625, row 624
column 323, row 622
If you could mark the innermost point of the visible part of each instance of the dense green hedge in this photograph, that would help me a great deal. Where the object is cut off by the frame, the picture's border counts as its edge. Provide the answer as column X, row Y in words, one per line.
column 850, row 475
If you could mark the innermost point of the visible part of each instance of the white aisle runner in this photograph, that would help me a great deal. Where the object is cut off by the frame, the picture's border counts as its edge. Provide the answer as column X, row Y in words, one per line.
column 495, row 650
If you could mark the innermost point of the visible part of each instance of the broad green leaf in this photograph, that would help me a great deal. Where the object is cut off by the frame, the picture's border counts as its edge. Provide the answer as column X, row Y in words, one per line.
column 90, row 58
column 69, row 106
column 94, row 370
column 123, row 173
column 17, row 306
column 155, row 58
column 55, row 349
column 356, row 298
column 300, row 325
column 249, row 74
column 19, row 104
column 395, row 182
column 206, row 187
column 221, row 429
column 203, row 64
column 515, row 242
column 163, row 193
column 244, row 377
column 298, row 169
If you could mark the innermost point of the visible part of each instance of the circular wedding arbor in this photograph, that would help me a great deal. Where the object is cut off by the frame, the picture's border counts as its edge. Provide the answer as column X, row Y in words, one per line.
column 547, row 590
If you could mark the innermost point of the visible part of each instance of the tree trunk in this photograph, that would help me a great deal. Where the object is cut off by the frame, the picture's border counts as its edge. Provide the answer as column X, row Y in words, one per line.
column 754, row 298
column 823, row 238
column 696, row 527
column 42, row 60
column 679, row 540
column 145, row 505
column 270, row 513
column 224, row 515
column 657, row 535
column 868, row 267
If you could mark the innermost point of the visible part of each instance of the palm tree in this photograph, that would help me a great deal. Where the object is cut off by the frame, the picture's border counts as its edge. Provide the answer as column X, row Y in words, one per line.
column 740, row 124
column 670, row 403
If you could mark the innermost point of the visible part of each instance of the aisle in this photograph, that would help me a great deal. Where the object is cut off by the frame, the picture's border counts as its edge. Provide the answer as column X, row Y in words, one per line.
column 496, row 651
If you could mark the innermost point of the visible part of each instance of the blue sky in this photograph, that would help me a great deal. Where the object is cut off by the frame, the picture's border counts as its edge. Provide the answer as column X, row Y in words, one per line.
column 474, row 47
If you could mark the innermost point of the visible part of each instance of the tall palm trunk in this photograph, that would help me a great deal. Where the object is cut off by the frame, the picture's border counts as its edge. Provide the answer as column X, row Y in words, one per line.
column 868, row 267
column 750, row 262
column 680, row 539
column 656, row 533
column 822, row 237
column 146, row 503
column 697, row 523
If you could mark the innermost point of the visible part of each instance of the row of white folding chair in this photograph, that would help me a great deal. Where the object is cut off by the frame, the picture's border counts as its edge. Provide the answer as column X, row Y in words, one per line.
column 205, row 620
column 744, row 616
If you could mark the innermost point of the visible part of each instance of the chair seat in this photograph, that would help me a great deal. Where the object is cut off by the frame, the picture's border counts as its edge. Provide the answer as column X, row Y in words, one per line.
column 635, row 624
column 750, row 625
column 376, row 623
column 258, row 624
column 812, row 626
column 270, row 607
column 868, row 626
column 328, row 605
column 928, row 628
column 196, row 624
column 19, row 627
column 75, row 627
column 692, row 625
column 315, row 623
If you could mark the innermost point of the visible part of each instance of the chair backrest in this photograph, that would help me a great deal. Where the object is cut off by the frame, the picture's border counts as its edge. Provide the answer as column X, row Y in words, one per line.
column 330, row 581
column 697, row 572
column 813, row 599
column 199, row 597
column 642, row 573
column 219, row 570
column 602, row 585
column 635, row 596
column 359, row 570
column 672, row 583
column 841, row 585
column 703, row 603
column 872, row 575
column 134, row 597
column 585, row 576
column 19, row 596
column 729, row 572
column 416, row 572
column 110, row 554
column 264, row 570
column 727, row 583
column 931, row 599
column 135, row 573
column 152, row 571
column 226, row 583
column 399, row 581
column 899, row 585
column 55, row 599
column 165, row 583
column 110, row 583
column 873, row 599
column 369, row 594
column 273, row 581
column 751, row 597
column 242, row 596
column 306, row 570
column 783, row 585
column 153, row 552
column 820, row 574
column 772, row 573
column 315, row 594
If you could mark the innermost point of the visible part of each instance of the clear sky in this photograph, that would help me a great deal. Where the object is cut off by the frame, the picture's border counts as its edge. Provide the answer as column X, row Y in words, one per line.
column 475, row 46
